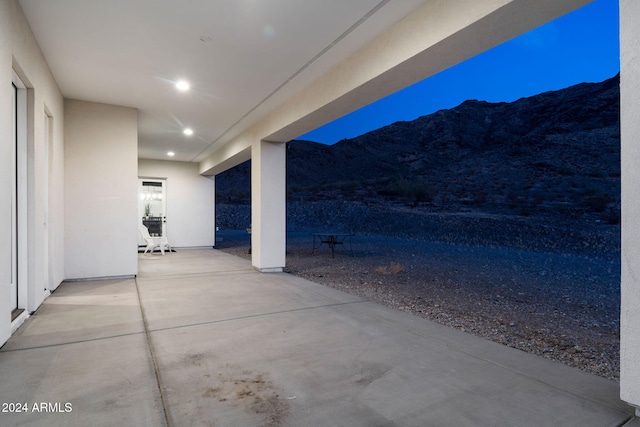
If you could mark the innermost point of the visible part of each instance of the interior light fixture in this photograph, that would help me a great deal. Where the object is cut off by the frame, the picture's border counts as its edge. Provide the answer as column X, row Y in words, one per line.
column 182, row 85
column 171, row 154
column 188, row 131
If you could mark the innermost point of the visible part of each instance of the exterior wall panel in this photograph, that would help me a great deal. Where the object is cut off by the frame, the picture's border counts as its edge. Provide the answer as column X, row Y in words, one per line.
column 101, row 178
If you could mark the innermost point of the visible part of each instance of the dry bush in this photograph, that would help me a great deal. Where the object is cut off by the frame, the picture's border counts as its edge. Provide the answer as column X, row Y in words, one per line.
column 393, row 268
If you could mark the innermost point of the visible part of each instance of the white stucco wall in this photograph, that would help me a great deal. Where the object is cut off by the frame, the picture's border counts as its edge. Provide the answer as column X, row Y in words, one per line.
column 101, row 176
column 630, row 132
column 190, row 201
column 44, row 265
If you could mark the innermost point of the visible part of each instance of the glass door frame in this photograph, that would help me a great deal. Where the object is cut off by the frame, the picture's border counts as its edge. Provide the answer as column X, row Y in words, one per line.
column 152, row 206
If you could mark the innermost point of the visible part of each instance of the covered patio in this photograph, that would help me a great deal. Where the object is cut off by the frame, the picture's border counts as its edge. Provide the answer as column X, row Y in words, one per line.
column 201, row 338
column 89, row 108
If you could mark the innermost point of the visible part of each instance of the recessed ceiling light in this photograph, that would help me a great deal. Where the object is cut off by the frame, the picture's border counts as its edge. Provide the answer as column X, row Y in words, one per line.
column 182, row 85
column 171, row 154
column 188, row 132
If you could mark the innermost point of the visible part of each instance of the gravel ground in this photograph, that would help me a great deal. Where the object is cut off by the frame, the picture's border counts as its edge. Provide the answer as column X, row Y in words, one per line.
column 552, row 290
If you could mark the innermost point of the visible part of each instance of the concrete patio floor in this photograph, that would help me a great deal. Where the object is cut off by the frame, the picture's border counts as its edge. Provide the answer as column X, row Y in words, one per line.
column 201, row 339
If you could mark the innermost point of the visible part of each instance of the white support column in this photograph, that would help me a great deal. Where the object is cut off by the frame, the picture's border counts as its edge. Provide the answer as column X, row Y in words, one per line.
column 268, row 206
column 630, row 159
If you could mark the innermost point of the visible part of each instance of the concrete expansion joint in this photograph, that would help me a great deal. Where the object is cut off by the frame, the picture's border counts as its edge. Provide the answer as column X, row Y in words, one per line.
column 152, row 353
column 170, row 277
column 66, row 343
column 253, row 316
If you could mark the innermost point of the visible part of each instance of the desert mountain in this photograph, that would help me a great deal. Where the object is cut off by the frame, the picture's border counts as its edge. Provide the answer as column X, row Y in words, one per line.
column 556, row 152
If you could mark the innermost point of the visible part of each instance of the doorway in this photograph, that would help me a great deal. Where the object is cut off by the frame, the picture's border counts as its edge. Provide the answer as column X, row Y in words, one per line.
column 18, row 198
column 152, row 206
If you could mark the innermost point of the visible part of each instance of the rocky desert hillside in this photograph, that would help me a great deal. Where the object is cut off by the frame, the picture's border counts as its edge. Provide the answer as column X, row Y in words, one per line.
column 554, row 154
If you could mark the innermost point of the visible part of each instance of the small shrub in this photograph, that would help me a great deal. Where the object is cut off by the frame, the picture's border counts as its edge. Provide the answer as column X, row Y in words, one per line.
column 596, row 200
column 481, row 197
column 612, row 216
column 567, row 170
column 393, row 268
column 419, row 190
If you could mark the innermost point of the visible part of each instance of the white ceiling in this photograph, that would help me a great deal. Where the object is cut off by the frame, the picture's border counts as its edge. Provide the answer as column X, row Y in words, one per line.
column 242, row 58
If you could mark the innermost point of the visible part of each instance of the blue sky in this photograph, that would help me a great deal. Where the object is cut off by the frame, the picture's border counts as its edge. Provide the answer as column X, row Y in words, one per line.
column 582, row 46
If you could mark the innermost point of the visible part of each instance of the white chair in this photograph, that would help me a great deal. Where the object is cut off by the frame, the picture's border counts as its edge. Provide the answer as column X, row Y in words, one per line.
column 153, row 242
